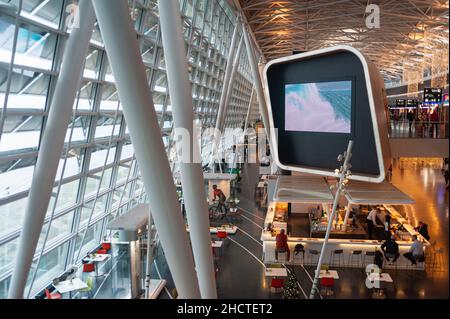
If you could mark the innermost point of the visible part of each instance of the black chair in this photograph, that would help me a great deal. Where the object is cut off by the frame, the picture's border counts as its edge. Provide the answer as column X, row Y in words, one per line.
column 338, row 255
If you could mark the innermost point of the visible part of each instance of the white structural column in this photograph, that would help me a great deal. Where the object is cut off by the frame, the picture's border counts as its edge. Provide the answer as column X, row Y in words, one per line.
column 227, row 76
column 192, row 179
column 226, row 82
column 122, row 48
column 257, row 81
column 51, row 147
column 230, row 88
column 347, row 214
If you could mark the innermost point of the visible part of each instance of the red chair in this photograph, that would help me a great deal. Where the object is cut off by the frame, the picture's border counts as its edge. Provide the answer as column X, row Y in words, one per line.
column 106, row 246
column 54, row 295
column 101, row 252
column 221, row 234
column 328, row 284
column 89, row 267
column 276, row 283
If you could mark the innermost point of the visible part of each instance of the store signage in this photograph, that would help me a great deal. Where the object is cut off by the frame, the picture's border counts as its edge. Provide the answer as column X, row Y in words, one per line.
column 400, row 103
column 432, row 95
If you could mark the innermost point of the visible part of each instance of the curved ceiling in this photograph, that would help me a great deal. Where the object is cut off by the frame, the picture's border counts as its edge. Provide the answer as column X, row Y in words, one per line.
column 408, row 34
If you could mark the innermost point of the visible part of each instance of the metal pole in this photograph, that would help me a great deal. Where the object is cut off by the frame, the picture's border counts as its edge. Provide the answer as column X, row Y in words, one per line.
column 122, row 48
column 51, row 146
column 191, row 170
column 230, row 87
column 226, row 82
column 342, row 177
column 347, row 214
column 257, row 81
column 149, row 262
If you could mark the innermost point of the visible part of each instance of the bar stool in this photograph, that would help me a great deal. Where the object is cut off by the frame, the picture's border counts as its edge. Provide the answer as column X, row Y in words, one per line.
column 438, row 259
column 355, row 255
column 297, row 255
column 313, row 256
column 368, row 254
column 280, row 255
column 337, row 254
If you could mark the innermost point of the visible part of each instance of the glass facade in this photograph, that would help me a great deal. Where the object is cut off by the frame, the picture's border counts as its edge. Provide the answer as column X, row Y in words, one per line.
column 98, row 177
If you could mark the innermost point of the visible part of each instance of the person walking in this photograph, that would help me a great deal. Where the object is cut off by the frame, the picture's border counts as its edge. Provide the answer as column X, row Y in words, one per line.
column 410, row 116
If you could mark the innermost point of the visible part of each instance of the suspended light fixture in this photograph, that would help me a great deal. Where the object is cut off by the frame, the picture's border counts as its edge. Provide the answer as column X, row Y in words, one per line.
column 439, row 67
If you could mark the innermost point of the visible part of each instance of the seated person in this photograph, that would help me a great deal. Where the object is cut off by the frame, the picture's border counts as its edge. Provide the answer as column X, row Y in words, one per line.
column 234, row 210
column 218, row 194
column 416, row 251
column 390, row 249
column 423, row 230
column 387, row 226
column 282, row 245
column 318, row 213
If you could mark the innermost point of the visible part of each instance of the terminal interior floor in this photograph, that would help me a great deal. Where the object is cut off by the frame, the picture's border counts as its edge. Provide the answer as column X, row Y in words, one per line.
column 241, row 272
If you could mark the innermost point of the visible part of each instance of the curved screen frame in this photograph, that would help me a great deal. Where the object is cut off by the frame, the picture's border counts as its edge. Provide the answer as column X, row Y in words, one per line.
column 272, row 131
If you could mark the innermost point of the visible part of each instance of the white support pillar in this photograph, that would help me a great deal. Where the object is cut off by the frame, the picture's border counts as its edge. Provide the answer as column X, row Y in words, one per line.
column 229, row 92
column 192, row 179
column 226, row 82
column 227, row 76
column 122, row 48
column 257, row 81
column 52, row 144
column 347, row 214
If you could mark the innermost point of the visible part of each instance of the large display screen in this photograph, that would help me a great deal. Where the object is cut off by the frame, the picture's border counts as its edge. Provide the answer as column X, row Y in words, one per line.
column 324, row 107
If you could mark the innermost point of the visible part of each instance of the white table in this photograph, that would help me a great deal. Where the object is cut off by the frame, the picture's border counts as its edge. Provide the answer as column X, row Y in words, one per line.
column 329, row 274
column 276, row 272
column 216, row 244
column 97, row 258
column 378, row 292
column 261, row 184
column 68, row 286
column 385, row 277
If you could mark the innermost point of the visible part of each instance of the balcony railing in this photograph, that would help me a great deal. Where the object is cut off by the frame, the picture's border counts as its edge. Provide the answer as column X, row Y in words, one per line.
column 418, row 129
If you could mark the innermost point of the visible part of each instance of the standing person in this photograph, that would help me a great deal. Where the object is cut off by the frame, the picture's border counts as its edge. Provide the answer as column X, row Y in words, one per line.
column 410, row 116
column 415, row 252
column 387, row 226
column 372, row 221
column 282, row 245
column 434, row 123
column 390, row 249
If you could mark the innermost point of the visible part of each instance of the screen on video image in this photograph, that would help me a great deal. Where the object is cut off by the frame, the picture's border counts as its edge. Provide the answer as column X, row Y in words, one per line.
column 323, row 107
